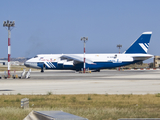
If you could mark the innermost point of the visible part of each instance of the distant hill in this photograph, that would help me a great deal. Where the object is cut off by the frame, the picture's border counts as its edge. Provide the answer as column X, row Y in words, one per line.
column 20, row 59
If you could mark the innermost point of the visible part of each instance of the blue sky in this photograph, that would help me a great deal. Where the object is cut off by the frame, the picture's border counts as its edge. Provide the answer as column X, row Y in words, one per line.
column 56, row 26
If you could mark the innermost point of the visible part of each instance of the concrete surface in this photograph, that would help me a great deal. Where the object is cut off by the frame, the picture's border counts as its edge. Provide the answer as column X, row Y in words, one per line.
column 69, row 82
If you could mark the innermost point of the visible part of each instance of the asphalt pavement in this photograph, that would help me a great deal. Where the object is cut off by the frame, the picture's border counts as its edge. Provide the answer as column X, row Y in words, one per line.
column 70, row 82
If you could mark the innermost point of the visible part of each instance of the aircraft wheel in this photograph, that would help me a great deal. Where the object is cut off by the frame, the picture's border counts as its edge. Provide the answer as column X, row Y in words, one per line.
column 42, row 70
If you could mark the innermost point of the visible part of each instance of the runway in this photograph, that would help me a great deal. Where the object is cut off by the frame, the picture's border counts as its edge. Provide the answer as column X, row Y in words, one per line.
column 69, row 82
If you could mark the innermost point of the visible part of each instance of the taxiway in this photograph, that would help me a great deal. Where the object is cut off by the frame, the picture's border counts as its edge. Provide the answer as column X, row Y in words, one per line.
column 69, row 82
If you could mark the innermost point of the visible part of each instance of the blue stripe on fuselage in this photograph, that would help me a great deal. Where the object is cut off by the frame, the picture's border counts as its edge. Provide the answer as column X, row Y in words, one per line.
column 96, row 65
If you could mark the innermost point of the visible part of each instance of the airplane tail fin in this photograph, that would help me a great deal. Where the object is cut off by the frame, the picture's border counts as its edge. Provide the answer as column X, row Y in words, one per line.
column 141, row 45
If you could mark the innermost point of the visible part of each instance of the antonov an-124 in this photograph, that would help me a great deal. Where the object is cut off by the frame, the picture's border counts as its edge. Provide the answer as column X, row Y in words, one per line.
column 135, row 53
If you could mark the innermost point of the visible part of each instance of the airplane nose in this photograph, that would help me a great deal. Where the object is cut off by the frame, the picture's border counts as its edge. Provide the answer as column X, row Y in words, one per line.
column 26, row 64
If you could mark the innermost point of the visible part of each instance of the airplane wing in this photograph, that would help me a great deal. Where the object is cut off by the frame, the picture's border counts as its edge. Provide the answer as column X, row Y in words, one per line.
column 76, row 59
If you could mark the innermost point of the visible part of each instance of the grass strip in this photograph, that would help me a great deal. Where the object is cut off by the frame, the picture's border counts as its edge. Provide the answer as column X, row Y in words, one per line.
column 91, row 106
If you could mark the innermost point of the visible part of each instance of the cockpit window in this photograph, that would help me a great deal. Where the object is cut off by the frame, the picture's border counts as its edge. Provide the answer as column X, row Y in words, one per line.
column 36, row 57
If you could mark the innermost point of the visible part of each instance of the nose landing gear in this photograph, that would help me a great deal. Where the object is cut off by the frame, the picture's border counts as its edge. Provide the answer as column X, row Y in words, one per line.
column 42, row 69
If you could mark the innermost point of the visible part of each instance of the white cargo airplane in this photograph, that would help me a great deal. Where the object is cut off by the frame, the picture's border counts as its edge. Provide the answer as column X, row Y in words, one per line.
column 135, row 53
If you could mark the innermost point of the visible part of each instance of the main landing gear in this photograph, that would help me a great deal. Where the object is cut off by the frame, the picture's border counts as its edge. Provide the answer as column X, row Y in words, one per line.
column 42, row 69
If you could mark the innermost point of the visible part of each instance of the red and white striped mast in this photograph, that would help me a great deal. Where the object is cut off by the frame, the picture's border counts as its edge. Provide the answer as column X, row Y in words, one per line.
column 85, row 40
column 9, row 24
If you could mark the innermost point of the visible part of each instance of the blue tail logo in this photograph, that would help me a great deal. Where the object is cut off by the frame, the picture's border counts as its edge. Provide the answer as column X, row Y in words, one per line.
column 141, row 45
column 144, row 46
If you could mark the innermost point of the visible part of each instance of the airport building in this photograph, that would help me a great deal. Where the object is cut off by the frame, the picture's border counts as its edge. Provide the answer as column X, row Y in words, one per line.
column 4, row 62
column 156, row 61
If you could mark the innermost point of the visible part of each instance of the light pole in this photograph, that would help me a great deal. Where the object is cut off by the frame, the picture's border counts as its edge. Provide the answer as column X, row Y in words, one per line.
column 9, row 24
column 119, row 46
column 85, row 40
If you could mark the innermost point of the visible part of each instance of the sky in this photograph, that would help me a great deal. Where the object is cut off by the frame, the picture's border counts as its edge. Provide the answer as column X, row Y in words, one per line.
column 56, row 26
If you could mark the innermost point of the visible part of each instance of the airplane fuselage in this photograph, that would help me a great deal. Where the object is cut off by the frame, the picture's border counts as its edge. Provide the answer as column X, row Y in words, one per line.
column 100, row 61
column 135, row 53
